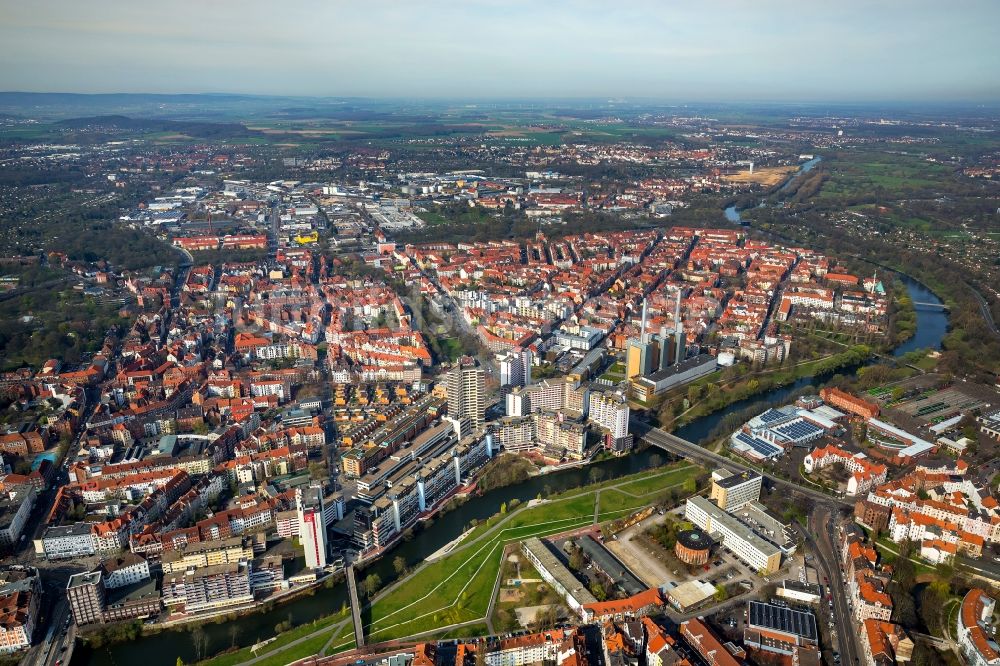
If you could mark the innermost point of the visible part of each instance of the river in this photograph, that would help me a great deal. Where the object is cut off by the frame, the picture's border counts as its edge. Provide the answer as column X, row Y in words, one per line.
column 733, row 215
column 163, row 649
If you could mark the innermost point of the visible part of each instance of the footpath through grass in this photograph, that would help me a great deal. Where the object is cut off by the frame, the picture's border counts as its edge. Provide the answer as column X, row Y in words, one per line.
column 458, row 587
column 321, row 627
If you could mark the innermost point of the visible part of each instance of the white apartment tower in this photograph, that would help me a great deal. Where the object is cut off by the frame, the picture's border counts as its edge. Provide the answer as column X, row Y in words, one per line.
column 515, row 367
column 465, row 384
column 610, row 411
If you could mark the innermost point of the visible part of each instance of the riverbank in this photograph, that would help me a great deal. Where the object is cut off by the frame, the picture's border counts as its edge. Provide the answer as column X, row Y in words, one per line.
column 721, row 394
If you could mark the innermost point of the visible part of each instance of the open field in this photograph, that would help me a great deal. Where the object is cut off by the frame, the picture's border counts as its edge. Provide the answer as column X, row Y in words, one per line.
column 766, row 176
column 861, row 171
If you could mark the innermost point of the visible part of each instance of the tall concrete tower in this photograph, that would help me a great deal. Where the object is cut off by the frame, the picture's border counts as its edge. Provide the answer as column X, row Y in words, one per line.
column 643, row 338
column 664, row 348
column 678, row 330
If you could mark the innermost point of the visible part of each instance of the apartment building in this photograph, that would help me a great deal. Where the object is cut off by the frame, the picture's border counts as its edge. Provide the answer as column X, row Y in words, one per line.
column 312, row 525
column 207, row 554
column 126, row 569
column 884, row 643
column 975, row 639
column 708, row 645
column 209, row 588
column 465, row 385
column 552, row 395
column 610, row 411
column 16, row 504
column 865, row 474
column 91, row 602
column 869, row 597
column 20, row 598
column 86, row 594
column 552, row 647
column 68, row 541
column 515, row 367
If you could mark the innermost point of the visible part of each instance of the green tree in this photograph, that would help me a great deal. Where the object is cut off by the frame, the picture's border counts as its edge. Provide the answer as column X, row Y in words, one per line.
column 399, row 565
column 372, row 583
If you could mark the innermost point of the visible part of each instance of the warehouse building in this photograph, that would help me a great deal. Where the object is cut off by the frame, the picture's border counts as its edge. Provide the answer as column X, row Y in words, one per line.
column 779, row 629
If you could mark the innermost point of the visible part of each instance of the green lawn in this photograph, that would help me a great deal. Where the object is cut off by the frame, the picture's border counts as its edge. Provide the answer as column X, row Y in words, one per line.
column 468, row 631
column 655, row 483
column 457, row 588
column 300, row 651
column 890, row 551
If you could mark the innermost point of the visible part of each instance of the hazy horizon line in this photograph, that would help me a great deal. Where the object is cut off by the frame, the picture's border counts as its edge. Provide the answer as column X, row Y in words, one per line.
column 603, row 99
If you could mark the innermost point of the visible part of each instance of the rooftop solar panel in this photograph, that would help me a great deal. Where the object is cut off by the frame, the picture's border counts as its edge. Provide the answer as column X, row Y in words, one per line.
column 785, row 620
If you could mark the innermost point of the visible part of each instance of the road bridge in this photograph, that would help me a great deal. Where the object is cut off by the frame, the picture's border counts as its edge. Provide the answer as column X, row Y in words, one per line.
column 352, row 588
column 681, row 447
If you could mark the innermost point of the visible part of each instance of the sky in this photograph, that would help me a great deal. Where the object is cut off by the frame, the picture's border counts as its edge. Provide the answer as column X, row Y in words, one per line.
column 673, row 50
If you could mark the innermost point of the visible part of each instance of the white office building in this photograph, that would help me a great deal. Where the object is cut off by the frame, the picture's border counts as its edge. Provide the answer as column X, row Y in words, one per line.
column 734, row 491
column 753, row 549
column 312, row 525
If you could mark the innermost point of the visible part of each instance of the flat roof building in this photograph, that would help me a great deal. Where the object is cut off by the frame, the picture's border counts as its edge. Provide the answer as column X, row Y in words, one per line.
column 609, row 565
column 753, row 549
column 686, row 371
column 732, row 491
column 558, row 576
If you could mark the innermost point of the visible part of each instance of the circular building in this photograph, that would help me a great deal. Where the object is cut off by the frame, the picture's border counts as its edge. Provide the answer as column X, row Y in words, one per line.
column 693, row 547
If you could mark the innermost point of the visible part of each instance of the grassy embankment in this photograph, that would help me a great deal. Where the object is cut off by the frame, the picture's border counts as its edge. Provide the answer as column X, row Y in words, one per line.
column 457, row 588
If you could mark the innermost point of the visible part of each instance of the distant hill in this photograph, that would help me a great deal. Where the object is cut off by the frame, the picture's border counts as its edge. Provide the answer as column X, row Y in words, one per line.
column 202, row 106
column 196, row 129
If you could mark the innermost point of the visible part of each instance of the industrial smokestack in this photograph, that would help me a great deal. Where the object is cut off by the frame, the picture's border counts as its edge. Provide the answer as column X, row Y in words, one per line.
column 645, row 318
column 678, row 330
column 664, row 348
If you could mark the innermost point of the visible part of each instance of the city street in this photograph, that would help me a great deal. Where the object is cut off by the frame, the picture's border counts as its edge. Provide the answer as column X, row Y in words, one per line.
column 820, row 536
